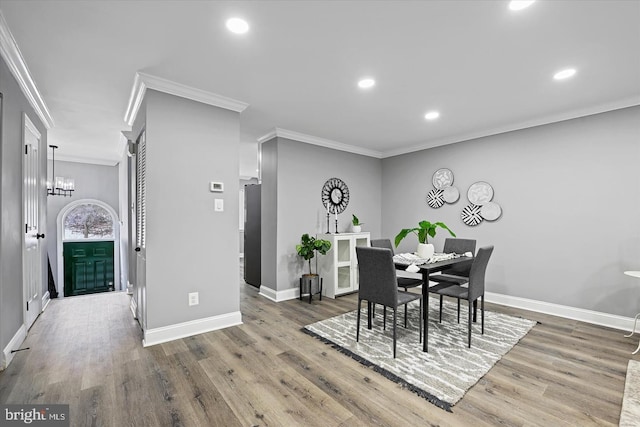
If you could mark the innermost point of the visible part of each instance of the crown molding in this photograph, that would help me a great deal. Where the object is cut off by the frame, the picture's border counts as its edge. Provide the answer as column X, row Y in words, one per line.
column 568, row 115
column 89, row 160
column 18, row 67
column 144, row 81
column 309, row 139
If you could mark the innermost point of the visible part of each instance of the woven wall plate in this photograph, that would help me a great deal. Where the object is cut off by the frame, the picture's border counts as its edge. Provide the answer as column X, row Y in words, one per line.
column 480, row 193
column 442, row 178
column 450, row 194
column 491, row 211
column 471, row 215
column 434, row 199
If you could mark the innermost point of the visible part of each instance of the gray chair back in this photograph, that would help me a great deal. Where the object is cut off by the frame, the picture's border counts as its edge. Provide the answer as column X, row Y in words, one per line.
column 382, row 243
column 459, row 246
column 377, row 275
column 478, row 270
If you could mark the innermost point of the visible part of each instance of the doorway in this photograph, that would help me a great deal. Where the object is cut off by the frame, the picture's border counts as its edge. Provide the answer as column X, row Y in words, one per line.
column 88, row 248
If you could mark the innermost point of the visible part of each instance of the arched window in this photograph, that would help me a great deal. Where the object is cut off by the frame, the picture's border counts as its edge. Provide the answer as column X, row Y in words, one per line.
column 88, row 221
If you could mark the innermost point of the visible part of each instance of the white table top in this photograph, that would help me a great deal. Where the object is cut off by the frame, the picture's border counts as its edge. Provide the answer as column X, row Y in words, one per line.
column 633, row 273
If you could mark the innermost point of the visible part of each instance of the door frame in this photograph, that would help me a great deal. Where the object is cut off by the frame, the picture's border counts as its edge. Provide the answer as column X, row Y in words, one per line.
column 117, row 285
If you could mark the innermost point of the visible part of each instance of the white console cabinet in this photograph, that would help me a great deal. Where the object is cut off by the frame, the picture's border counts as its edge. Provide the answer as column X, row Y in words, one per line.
column 339, row 267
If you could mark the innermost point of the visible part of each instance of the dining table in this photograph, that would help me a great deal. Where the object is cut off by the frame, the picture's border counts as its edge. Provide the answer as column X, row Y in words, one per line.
column 427, row 269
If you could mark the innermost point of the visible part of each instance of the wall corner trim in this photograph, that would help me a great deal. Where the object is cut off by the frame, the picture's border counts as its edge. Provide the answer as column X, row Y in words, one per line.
column 46, row 299
column 144, row 81
column 580, row 314
column 194, row 327
column 15, row 61
column 15, row 342
column 322, row 142
column 279, row 296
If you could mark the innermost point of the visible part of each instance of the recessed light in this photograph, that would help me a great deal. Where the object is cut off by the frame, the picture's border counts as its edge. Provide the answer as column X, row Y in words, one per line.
column 520, row 4
column 432, row 115
column 564, row 74
column 237, row 25
column 366, row 83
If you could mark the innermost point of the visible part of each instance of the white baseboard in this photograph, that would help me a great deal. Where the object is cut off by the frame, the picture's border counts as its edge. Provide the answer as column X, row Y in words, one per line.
column 14, row 344
column 278, row 296
column 580, row 314
column 186, row 329
column 46, row 299
column 133, row 305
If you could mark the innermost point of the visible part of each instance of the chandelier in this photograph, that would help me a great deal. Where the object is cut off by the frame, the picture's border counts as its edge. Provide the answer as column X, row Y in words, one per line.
column 59, row 185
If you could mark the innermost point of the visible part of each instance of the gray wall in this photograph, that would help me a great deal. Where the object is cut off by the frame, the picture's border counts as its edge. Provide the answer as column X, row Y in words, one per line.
column 269, row 215
column 569, row 193
column 12, row 223
column 190, row 247
column 302, row 170
column 92, row 182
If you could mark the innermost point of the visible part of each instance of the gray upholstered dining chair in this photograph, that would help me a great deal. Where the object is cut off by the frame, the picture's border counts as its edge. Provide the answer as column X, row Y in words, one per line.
column 403, row 282
column 379, row 285
column 470, row 293
column 456, row 274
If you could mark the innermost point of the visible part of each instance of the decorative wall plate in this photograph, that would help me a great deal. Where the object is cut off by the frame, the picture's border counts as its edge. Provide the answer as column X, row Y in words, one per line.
column 480, row 193
column 434, row 199
column 335, row 193
column 491, row 211
column 471, row 215
column 450, row 194
column 442, row 178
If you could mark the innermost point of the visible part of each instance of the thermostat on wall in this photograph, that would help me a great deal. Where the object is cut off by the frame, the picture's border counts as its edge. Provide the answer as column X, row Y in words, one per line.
column 216, row 187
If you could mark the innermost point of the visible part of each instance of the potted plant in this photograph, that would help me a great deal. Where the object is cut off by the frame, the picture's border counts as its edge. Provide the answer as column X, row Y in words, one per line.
column 424, row 230
column 356, row 224
column 307, row 249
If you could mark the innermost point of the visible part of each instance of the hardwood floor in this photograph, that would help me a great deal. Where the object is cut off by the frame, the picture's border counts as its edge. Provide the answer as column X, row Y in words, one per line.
column 86, row 351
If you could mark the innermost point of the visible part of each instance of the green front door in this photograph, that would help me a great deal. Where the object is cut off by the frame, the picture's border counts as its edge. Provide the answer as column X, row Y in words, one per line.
column 88, row 267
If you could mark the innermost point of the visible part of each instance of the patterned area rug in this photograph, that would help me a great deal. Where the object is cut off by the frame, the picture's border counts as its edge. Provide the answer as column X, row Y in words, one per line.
column 630, row 414
column 448, row 370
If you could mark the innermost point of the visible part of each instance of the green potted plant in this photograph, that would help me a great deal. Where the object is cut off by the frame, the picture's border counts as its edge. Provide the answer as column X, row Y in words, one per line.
column 356, row 225
column 307, row 249
column 424, row 230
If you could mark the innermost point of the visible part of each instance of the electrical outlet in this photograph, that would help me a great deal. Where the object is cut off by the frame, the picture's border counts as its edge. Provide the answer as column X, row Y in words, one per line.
column 194, row 298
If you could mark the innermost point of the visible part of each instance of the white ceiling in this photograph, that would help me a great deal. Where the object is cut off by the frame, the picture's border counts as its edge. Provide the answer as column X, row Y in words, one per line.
column 485, row 68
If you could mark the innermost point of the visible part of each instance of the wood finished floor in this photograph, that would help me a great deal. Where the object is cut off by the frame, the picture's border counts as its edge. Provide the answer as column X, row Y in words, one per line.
column 86, row 351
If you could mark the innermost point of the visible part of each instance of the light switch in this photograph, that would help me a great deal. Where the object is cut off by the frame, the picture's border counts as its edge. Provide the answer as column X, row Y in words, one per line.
column 219, row 206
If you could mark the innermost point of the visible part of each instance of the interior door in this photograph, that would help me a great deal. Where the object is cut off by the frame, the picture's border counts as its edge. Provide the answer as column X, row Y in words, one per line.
column 141, row 230
column 31, row 256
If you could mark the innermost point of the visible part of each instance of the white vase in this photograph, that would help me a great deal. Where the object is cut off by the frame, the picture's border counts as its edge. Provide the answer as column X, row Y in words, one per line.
column 425, row 250
column 356, row 228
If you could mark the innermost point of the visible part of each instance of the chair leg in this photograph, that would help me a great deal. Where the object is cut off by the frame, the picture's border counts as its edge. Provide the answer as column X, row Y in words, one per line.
column 301, row 289
column 475, row 311
column 470, row 321
column 358, row 322
column 458, row 310
column 405, row 316
column 368, row 315
column 482, row 311
column 384, row 318
column 395, row 311
column 440, row 321
column 420, row 318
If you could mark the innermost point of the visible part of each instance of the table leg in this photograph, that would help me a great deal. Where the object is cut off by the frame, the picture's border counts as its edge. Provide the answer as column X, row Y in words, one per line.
column 633, row 331
column 425, row 311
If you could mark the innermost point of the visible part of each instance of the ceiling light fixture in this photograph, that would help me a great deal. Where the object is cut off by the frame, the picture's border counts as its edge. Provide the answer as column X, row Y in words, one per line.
column 366, row 83
column 432, row 115
column 237, row 25
column 520, row 4
column 59, row 185
column 564, row 74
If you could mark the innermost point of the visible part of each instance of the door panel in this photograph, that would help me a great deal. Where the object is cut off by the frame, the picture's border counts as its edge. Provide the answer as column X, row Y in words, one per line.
column 31, row 188
column 88, row 267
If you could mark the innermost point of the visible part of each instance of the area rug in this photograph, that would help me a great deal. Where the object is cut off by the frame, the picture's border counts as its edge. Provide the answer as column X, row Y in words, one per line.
column 630, row 413
column 448, row 370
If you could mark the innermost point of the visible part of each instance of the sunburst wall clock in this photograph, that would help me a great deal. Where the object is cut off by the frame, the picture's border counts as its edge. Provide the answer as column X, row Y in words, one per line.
column 335, row 195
